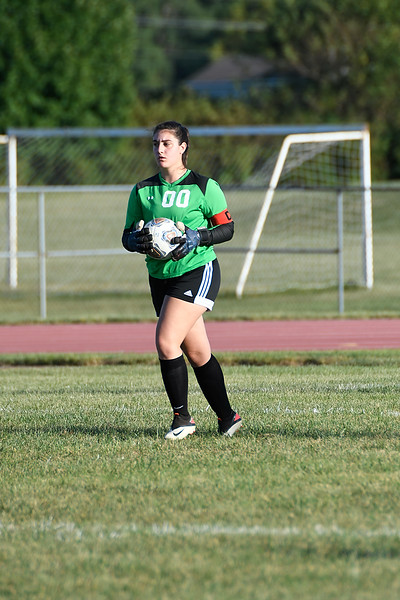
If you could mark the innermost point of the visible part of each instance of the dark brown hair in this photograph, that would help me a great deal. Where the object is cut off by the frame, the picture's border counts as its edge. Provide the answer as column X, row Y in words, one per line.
column 180, row 132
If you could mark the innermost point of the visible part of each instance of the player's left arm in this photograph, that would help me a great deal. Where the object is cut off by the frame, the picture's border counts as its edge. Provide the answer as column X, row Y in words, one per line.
column 222, row 232
column 222, row 229
column 221, row 225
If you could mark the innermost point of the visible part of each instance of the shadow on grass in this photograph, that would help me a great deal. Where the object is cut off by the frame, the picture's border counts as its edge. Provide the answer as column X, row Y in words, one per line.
column 122, row 432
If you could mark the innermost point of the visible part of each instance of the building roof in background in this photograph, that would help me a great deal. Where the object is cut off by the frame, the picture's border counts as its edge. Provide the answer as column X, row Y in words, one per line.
column 234, row 68
column 236, row 75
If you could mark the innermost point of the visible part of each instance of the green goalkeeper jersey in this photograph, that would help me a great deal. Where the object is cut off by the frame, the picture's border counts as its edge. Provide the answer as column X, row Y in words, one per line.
column 192, row 199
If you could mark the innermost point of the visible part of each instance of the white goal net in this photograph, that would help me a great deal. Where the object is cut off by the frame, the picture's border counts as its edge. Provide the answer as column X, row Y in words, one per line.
column 314, row 226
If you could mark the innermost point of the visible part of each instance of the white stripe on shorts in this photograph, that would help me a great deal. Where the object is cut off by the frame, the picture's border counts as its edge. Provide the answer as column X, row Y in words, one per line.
column 204, row 287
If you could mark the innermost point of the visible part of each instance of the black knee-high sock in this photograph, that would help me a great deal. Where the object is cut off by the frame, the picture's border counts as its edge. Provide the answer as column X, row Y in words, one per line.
column 212, row 384
column 175, row 377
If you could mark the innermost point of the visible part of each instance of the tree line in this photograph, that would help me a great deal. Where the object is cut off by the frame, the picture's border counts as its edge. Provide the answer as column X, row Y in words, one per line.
column 86, row 63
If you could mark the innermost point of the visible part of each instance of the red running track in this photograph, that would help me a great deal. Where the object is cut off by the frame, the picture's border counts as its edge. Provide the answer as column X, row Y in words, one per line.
column 244, row 336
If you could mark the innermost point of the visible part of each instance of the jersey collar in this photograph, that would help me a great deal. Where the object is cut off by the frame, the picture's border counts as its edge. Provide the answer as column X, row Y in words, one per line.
column 177, row 182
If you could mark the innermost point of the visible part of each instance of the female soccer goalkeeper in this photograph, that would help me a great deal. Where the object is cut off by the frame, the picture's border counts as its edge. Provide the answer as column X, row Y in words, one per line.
column 185, row 286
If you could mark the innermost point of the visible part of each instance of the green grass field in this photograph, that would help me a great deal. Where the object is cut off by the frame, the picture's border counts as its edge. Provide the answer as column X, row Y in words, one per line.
column 303, row 503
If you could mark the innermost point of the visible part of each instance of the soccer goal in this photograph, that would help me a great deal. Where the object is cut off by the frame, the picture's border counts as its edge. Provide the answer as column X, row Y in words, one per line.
column 316, row 210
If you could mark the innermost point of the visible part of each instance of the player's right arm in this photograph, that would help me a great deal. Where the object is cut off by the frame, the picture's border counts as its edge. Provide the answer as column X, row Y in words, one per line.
column 138, row 239
column 135, row 237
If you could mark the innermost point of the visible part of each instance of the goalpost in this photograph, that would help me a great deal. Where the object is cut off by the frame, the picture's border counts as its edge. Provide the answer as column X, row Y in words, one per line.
column 11, row 144
column 312, row 163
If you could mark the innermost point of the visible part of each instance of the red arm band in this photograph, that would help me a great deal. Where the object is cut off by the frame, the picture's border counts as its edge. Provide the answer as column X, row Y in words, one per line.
column 221, row 218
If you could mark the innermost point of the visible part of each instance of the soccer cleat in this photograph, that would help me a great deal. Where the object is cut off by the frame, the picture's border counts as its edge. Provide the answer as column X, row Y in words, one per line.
column 229, row 426
column 181, row 427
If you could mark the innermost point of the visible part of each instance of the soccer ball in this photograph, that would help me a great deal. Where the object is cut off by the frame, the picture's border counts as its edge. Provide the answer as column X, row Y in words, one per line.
column 162, row 230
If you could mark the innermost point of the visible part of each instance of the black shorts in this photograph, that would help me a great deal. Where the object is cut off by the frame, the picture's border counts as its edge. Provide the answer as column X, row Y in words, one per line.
column 199, row 286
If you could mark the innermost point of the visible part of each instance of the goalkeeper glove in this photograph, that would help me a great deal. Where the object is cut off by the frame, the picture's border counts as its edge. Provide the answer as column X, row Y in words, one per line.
column 140, row 240
column 188, row 242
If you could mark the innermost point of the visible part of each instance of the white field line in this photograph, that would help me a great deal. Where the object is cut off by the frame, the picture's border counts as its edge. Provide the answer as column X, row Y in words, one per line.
column 69, row 531
column 333, row 410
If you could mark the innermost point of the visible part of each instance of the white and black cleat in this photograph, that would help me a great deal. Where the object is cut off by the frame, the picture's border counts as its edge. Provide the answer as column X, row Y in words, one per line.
column 230, row 426
column 181, row 427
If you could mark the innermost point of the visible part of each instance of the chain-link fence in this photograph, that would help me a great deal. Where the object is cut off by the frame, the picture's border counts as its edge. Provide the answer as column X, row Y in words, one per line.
column 71, row 265
column 87, row 274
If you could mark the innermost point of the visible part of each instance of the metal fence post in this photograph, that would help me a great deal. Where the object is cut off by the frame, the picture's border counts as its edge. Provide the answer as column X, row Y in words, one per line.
column 340, row 250
column 12, row 213
column 42, row 255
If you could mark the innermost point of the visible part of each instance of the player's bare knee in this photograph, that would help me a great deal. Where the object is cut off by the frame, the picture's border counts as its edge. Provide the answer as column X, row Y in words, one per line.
column 167, row 348
column 198, row 359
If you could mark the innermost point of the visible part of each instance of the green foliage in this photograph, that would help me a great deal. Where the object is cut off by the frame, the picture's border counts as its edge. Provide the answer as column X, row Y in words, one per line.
column 99, row 63
column 65, row 63
column 346, row 54
column 172, row 42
